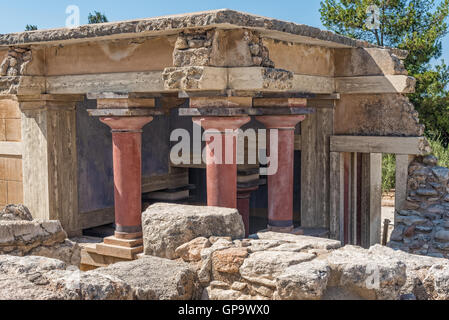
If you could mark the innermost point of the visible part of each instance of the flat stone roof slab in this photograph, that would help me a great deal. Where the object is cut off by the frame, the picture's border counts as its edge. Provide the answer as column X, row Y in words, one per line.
column 166, row 25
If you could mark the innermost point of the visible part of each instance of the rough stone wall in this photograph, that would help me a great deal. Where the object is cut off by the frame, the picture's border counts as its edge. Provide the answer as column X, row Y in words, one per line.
column 422, row 227
column 377, row 115
column 272, row 266
column 16, row 62
column 221, row 48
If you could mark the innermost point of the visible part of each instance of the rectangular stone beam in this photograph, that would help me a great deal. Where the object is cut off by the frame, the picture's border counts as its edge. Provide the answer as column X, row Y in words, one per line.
column 375, row 84
column 393, row 145
column 239, row 81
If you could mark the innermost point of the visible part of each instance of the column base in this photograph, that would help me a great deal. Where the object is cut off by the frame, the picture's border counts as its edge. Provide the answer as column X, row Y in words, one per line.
column 112, row 250
column 128, row 236
column 119, row 251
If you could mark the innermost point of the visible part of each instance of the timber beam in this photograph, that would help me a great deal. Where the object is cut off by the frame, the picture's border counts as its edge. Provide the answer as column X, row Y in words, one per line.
column 393, row 145
column 245, row 81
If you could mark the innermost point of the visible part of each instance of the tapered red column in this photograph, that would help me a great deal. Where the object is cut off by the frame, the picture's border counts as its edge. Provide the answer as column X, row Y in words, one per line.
column 127, row 158
column 221, row 164
column 280, row 185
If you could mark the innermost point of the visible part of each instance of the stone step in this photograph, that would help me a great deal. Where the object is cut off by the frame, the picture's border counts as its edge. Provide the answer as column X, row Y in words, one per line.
column 92, row 260
column 131, row 243
column 118, row 251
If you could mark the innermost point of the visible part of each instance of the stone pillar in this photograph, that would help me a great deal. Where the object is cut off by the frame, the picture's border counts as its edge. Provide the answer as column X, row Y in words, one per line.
column 127, row 158
column 280, row 185
column 49, row 153
column 221, row 177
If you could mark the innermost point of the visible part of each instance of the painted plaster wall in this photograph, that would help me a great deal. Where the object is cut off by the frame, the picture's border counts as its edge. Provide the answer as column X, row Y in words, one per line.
column 301, row 58
column 110, row 56
column 11, row 186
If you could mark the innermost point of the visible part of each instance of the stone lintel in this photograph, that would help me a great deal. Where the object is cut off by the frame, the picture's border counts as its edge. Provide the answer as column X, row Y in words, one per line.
column 233, row 112
column 128, row 112
column 220, row 102
column 48, row 101
column 22, row 85
column 280, row 102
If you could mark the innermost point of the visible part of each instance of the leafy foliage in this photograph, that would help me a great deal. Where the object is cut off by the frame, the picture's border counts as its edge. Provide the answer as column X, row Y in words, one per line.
column 414, row 25
column 440, row 151
column 30, row 27
column 388, row 172
column 97, row 17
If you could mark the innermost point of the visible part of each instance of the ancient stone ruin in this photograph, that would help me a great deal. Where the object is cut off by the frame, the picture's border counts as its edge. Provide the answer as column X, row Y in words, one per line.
column 89, row 119
column 206, row 264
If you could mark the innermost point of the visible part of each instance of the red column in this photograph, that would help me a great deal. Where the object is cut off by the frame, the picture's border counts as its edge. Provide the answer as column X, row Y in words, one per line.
column 243, row 204
column 280, row 185
column 221, row 178
column 127, row 158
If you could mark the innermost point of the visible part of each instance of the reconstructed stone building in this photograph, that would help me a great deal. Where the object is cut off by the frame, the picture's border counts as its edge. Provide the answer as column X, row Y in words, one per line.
column 339, row 102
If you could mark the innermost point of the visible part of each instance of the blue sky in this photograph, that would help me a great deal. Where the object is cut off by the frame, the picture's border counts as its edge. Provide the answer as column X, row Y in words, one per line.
column 15, row 15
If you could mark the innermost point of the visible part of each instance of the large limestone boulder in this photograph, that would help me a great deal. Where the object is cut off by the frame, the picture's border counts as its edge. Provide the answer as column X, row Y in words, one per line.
column 149, row 278
column 38, row 238
column 39, row 278
column 153, row 278
column 370, row 275
column 427, row 277
column 168, row 226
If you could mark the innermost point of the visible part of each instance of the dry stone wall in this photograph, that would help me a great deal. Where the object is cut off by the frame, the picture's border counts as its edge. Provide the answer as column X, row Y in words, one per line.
column 15, row 62
column 422, row 227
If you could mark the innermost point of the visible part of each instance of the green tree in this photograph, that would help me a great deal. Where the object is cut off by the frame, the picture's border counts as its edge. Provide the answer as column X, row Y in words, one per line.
column 97, row 17
column 30, row 27
column 414, row 25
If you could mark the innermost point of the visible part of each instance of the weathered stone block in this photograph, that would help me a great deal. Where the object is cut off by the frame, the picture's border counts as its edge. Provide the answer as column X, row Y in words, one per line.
column 229, row 260
column 152, row 278
column 311, row 242
column 263, row 267
column 168, row 226
column 191, row 251
column 443, row 236
column 307, row 281
column 39, row 278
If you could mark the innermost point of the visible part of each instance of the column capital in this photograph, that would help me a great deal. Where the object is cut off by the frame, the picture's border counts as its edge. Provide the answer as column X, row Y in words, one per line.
column 126, row 124
column 221, row 123
column 281, row 122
